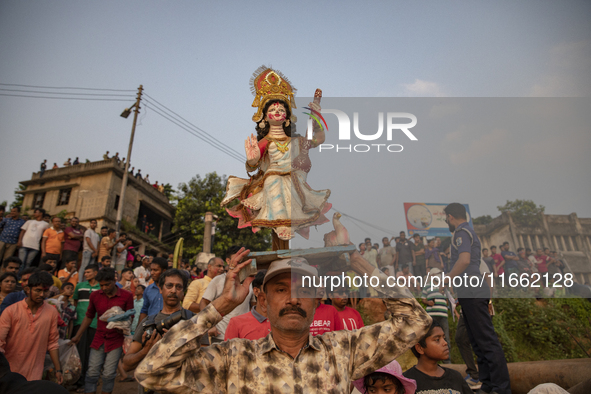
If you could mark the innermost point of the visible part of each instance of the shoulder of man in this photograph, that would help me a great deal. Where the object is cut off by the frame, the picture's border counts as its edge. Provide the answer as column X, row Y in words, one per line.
column 461, row 236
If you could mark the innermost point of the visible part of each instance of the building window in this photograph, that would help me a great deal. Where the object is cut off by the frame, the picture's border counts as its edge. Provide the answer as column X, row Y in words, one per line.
column 116, row 206
column 38, row 199
column 64, row 196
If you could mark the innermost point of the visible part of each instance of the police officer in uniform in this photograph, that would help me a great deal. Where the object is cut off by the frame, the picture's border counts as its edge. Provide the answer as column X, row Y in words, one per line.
column 465, row 260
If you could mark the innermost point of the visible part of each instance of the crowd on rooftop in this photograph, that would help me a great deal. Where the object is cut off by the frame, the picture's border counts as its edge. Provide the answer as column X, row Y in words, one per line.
column 121, row 161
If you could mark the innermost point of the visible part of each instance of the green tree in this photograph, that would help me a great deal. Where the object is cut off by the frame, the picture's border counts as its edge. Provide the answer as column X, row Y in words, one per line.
column 201, row 195
column 484, row 219
column 524, row 212
column 18, row 197
column 169, row 191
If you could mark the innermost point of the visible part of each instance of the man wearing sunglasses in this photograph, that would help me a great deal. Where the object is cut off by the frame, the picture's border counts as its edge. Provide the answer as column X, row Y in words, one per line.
column 172, row 285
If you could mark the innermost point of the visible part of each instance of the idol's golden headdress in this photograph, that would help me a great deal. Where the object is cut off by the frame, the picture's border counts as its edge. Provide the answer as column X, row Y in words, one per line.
column 268, row 84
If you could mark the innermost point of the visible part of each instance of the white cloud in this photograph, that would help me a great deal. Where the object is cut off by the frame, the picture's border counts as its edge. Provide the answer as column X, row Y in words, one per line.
column 422, row 88
column 567, row 73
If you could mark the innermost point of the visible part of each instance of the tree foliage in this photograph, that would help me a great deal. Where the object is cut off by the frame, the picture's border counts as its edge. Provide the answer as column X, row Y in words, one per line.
column 524, row 212
column 18, row 197
column 169, row 191
column 484, row 219
column 201, row 195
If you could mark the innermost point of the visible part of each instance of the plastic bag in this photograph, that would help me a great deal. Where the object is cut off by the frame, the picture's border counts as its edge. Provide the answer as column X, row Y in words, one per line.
column 70, row 363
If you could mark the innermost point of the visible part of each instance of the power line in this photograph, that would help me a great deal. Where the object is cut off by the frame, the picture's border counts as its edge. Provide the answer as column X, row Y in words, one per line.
column 222, row 148
column 62, row 98
column 229, row 153
column 197, row 128
column 202, row 134
column 364, row 222
column 70, row 93
column 64, row 87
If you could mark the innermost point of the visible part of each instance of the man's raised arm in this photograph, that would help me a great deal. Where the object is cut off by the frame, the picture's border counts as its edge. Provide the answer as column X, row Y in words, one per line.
column 178, row 363
column 376, row 345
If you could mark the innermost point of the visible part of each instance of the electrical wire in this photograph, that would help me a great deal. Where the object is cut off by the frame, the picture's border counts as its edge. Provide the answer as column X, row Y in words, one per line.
column 221, row 149
column 62, row 98
column 64, row 87
column 192, row 125
column 364, row 222
column 63, row 93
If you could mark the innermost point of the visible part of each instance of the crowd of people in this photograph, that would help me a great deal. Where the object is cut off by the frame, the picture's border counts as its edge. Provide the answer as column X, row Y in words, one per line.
column 60, row 281
column 121, row 161
column 417, row 257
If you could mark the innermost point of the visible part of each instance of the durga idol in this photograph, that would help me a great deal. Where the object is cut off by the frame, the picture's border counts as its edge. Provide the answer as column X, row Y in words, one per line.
column 277, row 195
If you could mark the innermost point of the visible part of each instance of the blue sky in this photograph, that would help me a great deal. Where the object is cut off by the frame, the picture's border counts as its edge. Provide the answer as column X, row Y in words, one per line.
column 197, row 57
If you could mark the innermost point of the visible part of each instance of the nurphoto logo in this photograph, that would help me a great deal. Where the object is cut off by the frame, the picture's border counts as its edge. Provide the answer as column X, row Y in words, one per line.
column 393, row 126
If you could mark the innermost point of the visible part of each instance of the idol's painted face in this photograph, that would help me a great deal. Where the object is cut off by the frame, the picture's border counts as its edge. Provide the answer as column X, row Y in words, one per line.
column 276, row 113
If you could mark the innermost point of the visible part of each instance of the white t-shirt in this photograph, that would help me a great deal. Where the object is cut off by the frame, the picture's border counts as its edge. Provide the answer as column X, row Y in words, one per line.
column 34, row 232
column 215, row 290
column 143, row 275
column 387, row 254
column 94, row 239
column 121, row 258
column 370, row 256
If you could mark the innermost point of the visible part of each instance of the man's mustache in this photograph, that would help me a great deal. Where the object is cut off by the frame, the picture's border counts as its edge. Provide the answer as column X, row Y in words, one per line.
column 296, row 309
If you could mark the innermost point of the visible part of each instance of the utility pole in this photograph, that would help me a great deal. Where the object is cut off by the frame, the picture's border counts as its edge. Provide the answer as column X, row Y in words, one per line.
column 136, row 107
column 207, row 232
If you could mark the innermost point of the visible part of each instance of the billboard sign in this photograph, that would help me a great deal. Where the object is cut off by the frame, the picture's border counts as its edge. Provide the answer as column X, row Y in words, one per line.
column 428, row 219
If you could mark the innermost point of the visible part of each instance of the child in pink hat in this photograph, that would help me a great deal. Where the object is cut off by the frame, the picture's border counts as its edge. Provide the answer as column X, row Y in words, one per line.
column 388, row 379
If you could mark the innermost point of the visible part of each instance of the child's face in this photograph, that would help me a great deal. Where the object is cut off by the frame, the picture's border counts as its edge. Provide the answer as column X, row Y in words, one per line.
column 485, row 252
column 106, row 263
column 51, row 262
column 68, row 291
column 437, row 348
column 381, row 387
column 139, row 291
column 71, row 265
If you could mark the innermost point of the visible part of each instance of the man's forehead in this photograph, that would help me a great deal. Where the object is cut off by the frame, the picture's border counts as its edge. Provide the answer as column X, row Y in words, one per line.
column 173, row 279
column 286, row 278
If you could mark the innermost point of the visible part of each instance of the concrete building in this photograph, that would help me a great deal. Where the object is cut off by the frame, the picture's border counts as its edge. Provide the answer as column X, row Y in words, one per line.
column 568, row 235
column 91, row 191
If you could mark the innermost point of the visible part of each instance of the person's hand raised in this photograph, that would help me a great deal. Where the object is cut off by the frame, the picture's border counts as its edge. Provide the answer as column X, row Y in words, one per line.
column 234, row 292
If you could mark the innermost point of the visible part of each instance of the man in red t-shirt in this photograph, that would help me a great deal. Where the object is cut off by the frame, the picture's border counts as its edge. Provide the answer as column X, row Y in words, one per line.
column 349, row 317
column 73, row 236
column 251, row 325
column 542, row 261
column 326, row 318
column 499, row 260
column 106, row 347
